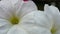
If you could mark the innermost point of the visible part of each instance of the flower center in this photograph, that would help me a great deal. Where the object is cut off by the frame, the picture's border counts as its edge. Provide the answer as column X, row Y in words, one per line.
column 53, row 30
column 14, row 20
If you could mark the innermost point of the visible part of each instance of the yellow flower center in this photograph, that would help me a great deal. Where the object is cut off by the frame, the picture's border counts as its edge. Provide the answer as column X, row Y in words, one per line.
column 53, row 30
column 14, row 20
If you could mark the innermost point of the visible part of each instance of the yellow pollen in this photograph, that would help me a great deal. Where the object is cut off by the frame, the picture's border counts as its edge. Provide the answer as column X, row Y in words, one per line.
column 53, row 30
column 14, row 20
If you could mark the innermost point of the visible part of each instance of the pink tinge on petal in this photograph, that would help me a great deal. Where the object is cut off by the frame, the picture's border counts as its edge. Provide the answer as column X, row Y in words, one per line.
column 25, row 0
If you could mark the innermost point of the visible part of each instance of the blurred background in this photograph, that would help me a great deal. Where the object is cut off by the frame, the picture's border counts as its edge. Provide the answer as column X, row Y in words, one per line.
column 40, row 3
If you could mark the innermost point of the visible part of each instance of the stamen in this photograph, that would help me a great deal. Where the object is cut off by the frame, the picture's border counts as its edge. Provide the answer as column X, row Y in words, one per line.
column 14, row 20
column 53, row 30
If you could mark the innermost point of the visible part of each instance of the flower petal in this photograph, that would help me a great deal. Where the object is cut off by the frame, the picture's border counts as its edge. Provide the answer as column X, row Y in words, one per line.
column 17, row 30
column 36, row 30
column 37, row 18
column 16, row 3
column 27, row 7
column 57, row 32
column 51, row 10
column 54, row 12
column 5, row 9
column 8, row 8
column 4, row 26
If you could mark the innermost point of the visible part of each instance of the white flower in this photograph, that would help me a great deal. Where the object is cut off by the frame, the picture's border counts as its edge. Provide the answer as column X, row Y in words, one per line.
column 53, row 13
column 12, row 14
column 19, row 17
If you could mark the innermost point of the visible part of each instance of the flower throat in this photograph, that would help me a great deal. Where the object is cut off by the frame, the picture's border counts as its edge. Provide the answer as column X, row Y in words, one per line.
column 14, row 20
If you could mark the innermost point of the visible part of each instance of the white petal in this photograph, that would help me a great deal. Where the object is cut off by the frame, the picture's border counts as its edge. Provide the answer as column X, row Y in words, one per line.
column 16, row 4
column 27, row 7
column 4, row 26
column 9, row 7
column 17, row 30
column 57, row 22
column 57, row 32
column 54, row 12
column 51, row 10
column 5, row 9
column 36, row 30
column 36, row 18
